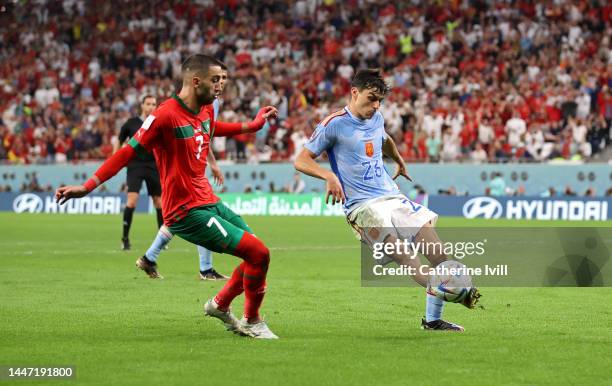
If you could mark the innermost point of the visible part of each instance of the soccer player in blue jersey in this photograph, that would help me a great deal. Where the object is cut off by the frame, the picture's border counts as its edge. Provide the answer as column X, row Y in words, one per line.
column 163, row 237
column 355, row 141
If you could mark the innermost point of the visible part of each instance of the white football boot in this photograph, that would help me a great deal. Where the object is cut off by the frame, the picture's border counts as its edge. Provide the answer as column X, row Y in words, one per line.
column 256, row 330
column 231, row 323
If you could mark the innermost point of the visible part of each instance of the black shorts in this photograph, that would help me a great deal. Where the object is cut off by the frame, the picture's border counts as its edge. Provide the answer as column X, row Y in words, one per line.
column 150, row 175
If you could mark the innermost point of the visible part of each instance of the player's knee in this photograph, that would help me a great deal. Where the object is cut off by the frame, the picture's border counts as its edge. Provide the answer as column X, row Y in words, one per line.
column 261, row 254
column 253, row 251
column 132, row 199
column 256, row 286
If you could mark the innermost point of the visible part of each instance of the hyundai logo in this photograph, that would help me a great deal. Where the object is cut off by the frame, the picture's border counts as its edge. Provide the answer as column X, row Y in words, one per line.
column 28, row 203
column 485, row 207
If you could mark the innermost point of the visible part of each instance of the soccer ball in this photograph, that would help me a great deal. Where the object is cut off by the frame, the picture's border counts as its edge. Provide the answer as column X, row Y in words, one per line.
column 450, row 282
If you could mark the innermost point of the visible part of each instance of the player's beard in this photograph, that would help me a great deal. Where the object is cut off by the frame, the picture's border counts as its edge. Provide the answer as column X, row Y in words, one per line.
column 204, row 96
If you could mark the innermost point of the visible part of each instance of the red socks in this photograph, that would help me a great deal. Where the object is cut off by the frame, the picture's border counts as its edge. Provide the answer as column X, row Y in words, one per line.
column 250, row 276
column 231, row 289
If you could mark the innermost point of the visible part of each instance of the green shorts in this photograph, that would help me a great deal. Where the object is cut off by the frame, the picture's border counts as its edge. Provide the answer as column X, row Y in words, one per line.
column 215, row 227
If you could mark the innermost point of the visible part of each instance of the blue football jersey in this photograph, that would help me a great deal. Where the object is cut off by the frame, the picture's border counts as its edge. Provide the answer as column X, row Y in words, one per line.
column 216, row 106
column 354, row 148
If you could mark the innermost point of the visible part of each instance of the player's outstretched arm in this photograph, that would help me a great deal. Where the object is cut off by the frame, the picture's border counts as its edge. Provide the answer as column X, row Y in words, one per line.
column 390, row 150
column 226, row 129
column 305, row 163
column 65, row 193
column 109, row 168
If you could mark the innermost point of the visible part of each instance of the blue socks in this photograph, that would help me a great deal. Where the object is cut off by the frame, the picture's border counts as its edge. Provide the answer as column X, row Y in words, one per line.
column 205, row 259
column 161, row 240
column 433, row 309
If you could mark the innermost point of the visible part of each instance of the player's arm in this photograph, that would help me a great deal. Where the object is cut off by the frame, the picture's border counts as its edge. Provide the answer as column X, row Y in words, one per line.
column 390, row 150
column 215, row 169
column 305, row 163
column 323, row 139
column 226, row 129
column 144, row 140
column 109, row 168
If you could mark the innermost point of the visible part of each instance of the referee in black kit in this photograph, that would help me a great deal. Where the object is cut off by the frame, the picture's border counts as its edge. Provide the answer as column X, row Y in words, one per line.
column 141, row 168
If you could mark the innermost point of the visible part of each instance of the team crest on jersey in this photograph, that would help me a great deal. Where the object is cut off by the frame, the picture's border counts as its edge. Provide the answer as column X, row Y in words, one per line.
column 369, row 149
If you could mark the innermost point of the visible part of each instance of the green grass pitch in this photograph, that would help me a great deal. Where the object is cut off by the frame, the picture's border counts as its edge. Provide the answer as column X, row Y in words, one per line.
column 70, row 297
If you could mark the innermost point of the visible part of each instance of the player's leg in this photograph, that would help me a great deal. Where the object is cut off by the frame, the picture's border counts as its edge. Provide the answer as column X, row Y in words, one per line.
column 381, row 221
column 204, row 226
column 253, row 275
column 435, row 254
column 231, row 290
column 427, row 234
column 158, row 211
column 207, row 271
column 433, row 305
column 232, row 217
column 409, row 260
column 392, row 218
column 148, row 262
column 201, row 227
column 153, row 183
column 128, row 215
column 134, row 182
column 205, row 257
column 418, row 224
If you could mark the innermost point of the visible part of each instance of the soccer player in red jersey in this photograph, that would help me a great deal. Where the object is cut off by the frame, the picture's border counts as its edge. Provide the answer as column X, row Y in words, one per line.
column 179, row 132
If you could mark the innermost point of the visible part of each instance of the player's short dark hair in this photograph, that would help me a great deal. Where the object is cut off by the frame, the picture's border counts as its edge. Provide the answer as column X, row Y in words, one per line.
column 147, row 96
column 370, row 79
column 200, row 63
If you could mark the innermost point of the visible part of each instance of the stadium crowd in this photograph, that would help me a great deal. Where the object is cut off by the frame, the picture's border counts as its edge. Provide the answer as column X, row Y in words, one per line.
column 472, row 81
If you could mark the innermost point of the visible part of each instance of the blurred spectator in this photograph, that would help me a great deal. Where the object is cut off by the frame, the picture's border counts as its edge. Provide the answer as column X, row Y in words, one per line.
column 497, row 185
column 433, row 148
column 569, row 191
column 478, row 155
column 550, row 192
column 451, row 191
column 297, row 185
column 590, row 192
column 272, row 187
column 516, row 128
column 298, row 140
column 418, row 195
column 521, row 80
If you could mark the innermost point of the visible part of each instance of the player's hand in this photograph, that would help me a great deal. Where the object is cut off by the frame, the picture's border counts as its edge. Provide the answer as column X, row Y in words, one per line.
column 267, row 112
column 334, row 189
column 217, row 174
column 65, row 193
column 401, row 171
column 263, row 114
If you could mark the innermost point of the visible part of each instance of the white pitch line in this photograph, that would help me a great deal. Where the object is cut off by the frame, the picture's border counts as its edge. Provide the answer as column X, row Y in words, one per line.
column 316, row 248
column 118, row 252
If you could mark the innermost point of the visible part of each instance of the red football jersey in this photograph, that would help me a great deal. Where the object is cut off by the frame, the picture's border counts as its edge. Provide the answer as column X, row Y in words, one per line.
column 180, row 139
